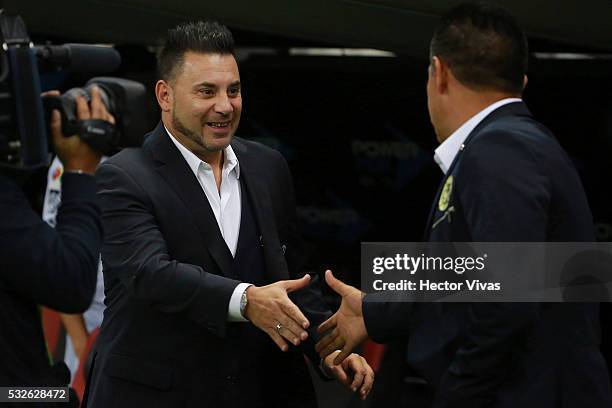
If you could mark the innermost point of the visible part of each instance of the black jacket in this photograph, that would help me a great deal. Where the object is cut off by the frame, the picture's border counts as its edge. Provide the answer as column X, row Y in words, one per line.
column 41, row 265
column 165, row 340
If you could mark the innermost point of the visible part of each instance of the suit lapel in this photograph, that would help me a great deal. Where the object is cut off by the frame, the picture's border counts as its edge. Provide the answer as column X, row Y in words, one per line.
column 257, row 190
column 173, row 168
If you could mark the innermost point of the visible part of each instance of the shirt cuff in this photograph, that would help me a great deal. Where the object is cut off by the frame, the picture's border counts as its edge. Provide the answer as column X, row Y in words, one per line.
column 233, row 310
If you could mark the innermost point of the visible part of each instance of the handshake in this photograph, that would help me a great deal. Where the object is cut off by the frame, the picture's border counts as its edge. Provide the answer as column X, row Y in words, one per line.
column 270, row 309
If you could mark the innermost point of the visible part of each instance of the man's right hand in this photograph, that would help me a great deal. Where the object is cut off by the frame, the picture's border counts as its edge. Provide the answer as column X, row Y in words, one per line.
column 346, row 327
column 270, row 309
column 74, row 153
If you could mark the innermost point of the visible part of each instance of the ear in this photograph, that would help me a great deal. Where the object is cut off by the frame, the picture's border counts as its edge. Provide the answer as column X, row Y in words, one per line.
column 164, row 95
column 525, row 80
column 439, row 72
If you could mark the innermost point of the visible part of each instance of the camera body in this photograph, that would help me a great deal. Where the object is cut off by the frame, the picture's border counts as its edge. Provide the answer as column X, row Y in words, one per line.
column 123, row 98
column 24, row 115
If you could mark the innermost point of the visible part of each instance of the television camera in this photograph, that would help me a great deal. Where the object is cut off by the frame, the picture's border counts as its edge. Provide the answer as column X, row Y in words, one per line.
column 24, row 114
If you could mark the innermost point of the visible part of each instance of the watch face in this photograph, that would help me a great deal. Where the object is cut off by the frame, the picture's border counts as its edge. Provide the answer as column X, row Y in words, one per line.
column 243, row 302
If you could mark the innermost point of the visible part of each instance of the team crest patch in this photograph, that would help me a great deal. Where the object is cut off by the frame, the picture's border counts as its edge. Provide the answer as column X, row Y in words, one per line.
column 57, row 173
column 446, row 194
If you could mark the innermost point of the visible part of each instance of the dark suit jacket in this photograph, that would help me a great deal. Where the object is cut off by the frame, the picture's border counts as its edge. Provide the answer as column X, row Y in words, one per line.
column 165, row 340
column 43, row 266
column 512, row 183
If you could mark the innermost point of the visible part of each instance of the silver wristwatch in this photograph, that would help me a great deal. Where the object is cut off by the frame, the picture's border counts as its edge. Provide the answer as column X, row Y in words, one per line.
column 244, row 300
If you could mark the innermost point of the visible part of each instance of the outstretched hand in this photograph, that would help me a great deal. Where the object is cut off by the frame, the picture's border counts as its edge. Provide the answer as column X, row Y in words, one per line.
column 270, row 309
column 346, row 327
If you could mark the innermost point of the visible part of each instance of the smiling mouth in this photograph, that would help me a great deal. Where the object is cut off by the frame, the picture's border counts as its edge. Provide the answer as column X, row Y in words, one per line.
column 218, row 125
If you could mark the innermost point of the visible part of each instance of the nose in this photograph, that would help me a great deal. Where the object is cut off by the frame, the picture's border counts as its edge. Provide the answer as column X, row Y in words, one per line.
column 223, row 105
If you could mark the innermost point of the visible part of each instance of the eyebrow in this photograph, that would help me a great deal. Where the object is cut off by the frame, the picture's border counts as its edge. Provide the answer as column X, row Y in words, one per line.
column 211, row 85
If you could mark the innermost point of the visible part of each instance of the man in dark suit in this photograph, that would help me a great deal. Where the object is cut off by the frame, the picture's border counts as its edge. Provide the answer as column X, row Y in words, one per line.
column 41, row 265
column 200, row 239
column 506, row 180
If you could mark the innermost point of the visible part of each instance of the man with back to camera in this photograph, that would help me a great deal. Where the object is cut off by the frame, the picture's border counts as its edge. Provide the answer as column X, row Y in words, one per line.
column 200, row 237
column 46, row 266
column 507, row 179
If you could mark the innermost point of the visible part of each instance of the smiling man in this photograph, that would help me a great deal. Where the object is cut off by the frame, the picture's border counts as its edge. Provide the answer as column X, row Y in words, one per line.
column 200, row 240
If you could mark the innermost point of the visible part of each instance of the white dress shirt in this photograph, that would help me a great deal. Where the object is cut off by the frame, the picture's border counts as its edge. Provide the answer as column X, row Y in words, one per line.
column 447, row 151
column 225, row 203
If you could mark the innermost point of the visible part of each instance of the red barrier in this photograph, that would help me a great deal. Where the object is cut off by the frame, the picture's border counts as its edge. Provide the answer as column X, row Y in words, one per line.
column 373, row 353
column 80, row 378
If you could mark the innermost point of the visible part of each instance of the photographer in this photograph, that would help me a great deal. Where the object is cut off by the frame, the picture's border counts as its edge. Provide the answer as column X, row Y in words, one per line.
column 40, row 265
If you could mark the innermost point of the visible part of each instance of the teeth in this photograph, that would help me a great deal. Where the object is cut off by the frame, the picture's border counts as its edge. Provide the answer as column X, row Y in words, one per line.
column 218, row 124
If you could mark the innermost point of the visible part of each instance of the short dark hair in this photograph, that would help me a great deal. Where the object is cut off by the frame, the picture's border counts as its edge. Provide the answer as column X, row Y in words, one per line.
column 209, row 37
column 483, row 45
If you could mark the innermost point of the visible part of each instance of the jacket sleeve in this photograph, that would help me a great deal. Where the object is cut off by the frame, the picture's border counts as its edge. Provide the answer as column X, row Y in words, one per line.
column 386, row 321
column 52, row 267
column 505, row 197
column 136, row 254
